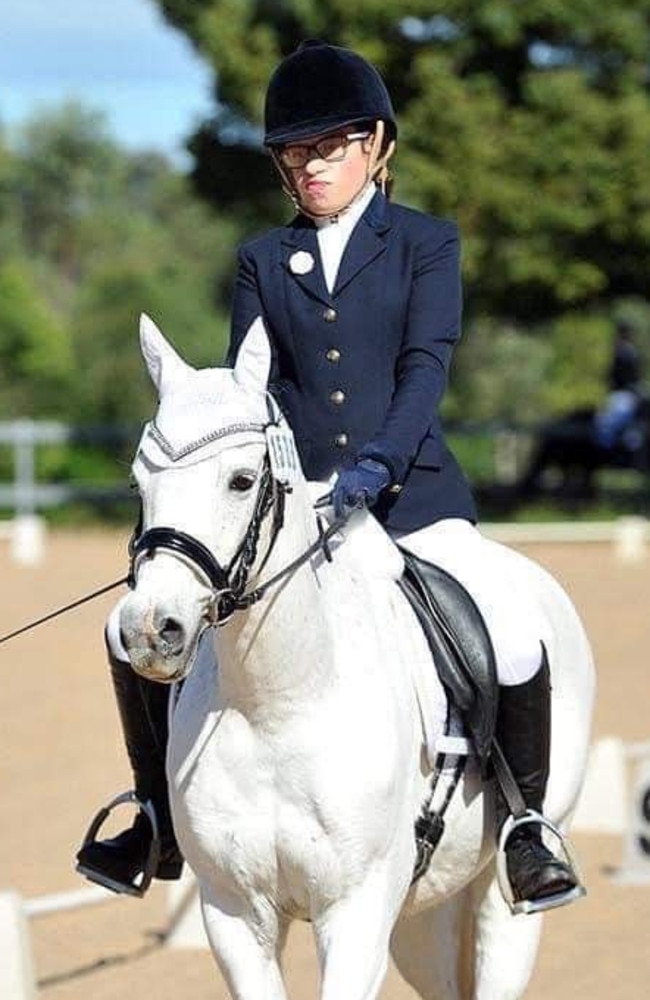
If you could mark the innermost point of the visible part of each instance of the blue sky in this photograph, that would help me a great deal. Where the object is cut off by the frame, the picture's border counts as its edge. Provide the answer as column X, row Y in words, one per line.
column 116, row 56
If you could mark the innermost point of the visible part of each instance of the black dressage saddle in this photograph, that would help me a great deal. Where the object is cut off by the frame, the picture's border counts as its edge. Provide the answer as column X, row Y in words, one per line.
column 460, row 645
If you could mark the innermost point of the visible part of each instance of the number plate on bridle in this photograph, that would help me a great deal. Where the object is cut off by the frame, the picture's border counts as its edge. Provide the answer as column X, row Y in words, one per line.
column 283, row 456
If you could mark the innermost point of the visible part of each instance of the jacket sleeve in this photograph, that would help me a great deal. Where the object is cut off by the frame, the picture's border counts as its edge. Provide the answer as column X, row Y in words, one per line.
column 432, row 329
column 246, row 303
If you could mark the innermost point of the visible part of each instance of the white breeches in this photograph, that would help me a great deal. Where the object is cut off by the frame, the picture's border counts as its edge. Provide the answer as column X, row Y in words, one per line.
column 512, row 618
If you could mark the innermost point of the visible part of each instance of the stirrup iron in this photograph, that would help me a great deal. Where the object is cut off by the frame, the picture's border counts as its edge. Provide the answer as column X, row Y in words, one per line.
column 140, row 884
column 529, row 818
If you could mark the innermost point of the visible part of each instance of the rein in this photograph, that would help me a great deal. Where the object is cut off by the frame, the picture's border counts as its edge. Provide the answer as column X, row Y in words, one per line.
column 68, row 607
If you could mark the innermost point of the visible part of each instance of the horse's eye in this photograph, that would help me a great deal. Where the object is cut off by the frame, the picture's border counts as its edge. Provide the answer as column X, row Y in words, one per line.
column 242, row 481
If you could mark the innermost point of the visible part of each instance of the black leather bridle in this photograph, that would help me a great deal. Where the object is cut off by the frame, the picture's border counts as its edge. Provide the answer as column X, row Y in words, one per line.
column 229, row 582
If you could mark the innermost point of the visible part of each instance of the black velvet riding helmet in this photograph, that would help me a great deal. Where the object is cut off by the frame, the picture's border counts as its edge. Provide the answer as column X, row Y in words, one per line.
column 320, row 88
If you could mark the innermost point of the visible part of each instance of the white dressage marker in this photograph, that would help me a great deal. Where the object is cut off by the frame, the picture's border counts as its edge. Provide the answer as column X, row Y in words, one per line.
column 635, row 867
column 602, row 806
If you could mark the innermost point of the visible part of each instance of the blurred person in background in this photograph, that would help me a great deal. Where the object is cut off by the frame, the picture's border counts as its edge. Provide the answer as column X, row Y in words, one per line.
column 624, row 385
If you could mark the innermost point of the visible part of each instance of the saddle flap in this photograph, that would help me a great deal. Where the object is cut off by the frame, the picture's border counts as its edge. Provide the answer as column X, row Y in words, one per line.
column 460, row 644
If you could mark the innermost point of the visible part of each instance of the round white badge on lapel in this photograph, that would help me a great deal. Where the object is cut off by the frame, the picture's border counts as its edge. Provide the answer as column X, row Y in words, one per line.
column 301, row 262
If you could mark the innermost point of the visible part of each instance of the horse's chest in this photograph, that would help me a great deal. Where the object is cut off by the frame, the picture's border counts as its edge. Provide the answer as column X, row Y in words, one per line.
column 254, row 815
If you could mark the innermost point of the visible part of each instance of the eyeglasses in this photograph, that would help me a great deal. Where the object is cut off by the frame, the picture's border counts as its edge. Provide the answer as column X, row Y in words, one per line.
column 331, row 148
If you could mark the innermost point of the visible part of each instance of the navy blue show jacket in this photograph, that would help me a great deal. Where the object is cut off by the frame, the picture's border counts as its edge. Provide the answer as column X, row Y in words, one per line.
column 360, row 371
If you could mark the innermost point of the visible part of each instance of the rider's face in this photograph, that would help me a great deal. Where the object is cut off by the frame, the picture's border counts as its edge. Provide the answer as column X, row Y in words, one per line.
column 325, row 187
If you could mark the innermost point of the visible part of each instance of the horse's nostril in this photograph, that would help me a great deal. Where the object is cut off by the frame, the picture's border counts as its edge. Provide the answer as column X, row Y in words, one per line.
column 171, row 632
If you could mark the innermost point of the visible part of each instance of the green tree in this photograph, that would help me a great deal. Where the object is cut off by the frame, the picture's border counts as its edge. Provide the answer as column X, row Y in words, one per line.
column 35, row 350
column 66, row 168
column 90, row 237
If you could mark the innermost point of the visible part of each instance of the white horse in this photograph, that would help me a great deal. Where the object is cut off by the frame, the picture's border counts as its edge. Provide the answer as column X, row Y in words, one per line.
column 297, row 760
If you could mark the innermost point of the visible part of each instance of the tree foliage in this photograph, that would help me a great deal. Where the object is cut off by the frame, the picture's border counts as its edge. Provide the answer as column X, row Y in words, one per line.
column 90, row 237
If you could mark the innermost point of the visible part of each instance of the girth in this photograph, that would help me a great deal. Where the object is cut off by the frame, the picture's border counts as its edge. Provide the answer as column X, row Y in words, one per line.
column 460, row 645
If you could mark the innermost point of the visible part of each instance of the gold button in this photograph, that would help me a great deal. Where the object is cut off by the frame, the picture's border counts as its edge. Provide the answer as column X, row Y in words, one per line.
column 337, row 397
column 329, row 315
column 333, row 355
column 341, row 440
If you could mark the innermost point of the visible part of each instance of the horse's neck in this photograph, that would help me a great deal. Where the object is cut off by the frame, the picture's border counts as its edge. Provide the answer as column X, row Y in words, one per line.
column 279, row 652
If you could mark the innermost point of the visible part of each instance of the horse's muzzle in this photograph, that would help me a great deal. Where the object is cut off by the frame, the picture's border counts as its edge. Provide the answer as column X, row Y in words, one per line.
column 157, row 642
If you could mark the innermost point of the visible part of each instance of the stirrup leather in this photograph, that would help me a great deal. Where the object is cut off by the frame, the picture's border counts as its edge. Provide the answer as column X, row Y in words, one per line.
column 529, row 818
column 140, row 884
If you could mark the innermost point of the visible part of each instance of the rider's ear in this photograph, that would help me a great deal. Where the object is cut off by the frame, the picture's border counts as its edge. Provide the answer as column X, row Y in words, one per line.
column 161, row 359
column 253, row 364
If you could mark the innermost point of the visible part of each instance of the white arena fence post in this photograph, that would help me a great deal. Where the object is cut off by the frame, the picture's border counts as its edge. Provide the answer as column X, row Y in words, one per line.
column 28, row 539
column 631, row 538
column 26, row 530
column 17, row 980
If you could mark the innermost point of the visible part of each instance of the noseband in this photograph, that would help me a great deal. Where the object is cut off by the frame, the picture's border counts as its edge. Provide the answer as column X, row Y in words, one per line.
column 229, row 582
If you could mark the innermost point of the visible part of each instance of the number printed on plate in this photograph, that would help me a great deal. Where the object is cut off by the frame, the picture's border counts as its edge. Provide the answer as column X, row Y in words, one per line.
column 285, row 465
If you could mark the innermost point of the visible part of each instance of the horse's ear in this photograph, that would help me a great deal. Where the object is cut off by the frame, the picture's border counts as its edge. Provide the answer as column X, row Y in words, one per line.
column 253, row 364
column 161, row 359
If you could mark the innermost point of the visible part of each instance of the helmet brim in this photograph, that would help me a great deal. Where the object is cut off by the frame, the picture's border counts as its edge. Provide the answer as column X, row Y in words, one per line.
column 310, row 130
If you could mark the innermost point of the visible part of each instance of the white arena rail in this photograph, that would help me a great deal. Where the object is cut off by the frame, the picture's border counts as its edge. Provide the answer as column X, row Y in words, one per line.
column 26, row 530
column 18, row 979
column 629, row 535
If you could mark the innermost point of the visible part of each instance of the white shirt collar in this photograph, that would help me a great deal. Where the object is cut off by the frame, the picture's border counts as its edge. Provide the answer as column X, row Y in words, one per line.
column 333, row 234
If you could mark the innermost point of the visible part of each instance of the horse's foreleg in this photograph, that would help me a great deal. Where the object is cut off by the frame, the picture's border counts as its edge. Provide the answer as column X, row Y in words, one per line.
column 505, row 945
column 353, row 939
column 247, row 950
column 426, row 948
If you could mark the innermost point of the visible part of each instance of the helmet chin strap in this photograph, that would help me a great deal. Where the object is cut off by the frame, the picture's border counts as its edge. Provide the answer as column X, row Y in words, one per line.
column 376, row 170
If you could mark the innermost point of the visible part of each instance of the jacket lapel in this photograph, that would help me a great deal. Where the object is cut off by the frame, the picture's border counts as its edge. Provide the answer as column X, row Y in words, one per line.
column 367, row 242
column 300, row 245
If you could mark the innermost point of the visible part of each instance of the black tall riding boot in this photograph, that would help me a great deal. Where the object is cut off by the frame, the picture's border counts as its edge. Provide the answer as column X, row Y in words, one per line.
column 524, row 734
column 120, row 861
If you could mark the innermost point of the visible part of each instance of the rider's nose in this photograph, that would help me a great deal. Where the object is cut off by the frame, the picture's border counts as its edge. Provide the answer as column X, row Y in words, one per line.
column 314, row 164
column 171, row 636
